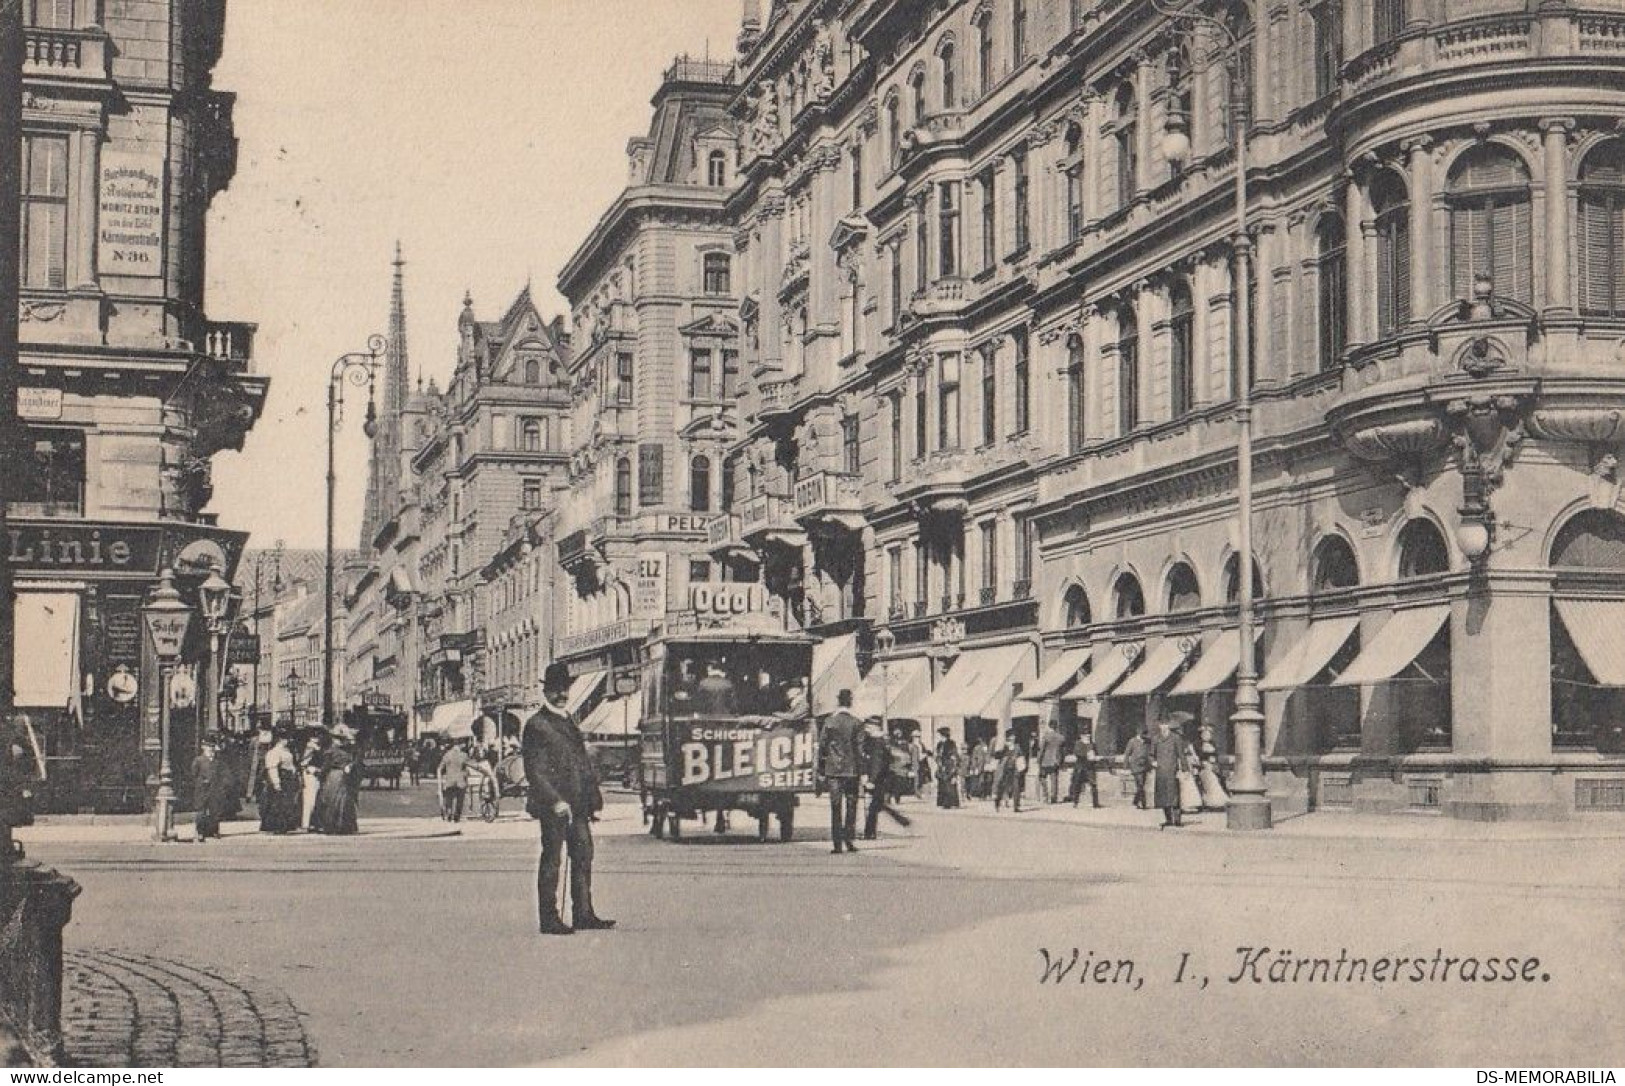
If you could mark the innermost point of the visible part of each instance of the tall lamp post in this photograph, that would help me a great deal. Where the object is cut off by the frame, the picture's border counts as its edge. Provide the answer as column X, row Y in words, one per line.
column 358, row 368
column 215, row 597
column 1249, row 806
column 167, row 619
column 885, row 641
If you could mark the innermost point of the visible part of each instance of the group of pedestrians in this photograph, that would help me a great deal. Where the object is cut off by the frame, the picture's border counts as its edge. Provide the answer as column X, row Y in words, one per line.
column 1182, row 778
column 315, row 788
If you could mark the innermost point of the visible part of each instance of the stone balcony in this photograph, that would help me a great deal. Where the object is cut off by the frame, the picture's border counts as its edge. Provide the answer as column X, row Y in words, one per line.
column 939, row 485
column 778, row 397
column 944, row 297
column 65, row 54
column 229, row 341
column 766, row 520
column 1487, row 39
column 830, row 499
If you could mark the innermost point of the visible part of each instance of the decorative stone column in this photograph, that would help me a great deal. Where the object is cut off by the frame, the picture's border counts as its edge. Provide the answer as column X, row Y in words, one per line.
column 82, row 232
column 1422, row 189
column 1555, row 133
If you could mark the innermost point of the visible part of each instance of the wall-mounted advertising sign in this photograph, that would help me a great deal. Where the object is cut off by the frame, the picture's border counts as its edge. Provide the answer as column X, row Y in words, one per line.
column 130, row 214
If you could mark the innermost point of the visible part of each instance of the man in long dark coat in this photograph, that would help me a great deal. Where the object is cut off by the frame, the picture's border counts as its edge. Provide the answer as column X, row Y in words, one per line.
column 564, row 796
column 1168, row 756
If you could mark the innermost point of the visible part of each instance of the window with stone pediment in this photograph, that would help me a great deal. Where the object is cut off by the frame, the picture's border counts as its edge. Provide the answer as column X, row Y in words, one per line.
column 1490, row 223
column 1328, row 19
column 1076, row 427
column 1128, row 598
column 947, row 65
column 984, row 53
column 1128, row 369
column 1125, row 136
column 717, row 273
column 1391, row 204
column 716, row 169
column 1072, row 177
column 1331, row 261
column 1181, row 348
column 1021, row 392
column 699, row 484
column 1602, row 230
column 1387, row 20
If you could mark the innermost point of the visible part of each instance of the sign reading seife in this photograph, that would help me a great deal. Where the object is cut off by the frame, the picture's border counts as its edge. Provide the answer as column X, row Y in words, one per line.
column 727, row 758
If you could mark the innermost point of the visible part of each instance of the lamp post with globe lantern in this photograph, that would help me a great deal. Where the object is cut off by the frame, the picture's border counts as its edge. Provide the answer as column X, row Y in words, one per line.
column 1249, row 806
column 358, row 368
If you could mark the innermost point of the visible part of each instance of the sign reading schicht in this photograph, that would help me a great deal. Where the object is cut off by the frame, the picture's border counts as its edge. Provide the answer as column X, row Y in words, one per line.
column 130, row 214
column 728, row 758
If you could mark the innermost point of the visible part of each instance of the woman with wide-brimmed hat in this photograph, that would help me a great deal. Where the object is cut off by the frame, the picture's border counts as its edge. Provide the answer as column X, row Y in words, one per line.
column 335, row 811
column 279, row 796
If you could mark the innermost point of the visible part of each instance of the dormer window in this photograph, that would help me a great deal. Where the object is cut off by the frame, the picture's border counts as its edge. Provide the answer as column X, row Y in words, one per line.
column 716, row 169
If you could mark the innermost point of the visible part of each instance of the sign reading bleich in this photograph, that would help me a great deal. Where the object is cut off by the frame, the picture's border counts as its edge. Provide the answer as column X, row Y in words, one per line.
column 130, row 214
column 724, row 758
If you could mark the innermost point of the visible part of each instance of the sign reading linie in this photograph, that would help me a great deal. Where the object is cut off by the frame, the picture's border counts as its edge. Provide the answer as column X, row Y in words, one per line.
column 80, row 547
column 745, row 759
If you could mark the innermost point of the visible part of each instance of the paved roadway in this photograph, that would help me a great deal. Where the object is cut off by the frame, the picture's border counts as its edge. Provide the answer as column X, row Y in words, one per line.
column 400, row 947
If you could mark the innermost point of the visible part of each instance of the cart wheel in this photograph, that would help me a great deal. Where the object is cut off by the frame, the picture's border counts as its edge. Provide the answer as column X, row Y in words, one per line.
column 761, row 826
column 787, row 824
column 488, row 810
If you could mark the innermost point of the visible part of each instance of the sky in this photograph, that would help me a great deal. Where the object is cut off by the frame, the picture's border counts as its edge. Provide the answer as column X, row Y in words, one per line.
column 487, row 136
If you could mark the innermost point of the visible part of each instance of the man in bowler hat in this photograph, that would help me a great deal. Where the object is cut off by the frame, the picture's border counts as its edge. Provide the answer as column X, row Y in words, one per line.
column 563, row 797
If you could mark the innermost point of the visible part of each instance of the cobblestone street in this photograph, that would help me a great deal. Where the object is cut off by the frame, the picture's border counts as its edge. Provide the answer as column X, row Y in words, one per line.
column 126, row 1009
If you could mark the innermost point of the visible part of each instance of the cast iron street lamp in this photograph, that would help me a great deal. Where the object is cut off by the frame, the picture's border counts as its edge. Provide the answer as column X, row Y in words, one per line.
column 885, row 641
column 215, row 599
column 167, row 619
column 1249, row 806
column 359, row 368
column 292, row 683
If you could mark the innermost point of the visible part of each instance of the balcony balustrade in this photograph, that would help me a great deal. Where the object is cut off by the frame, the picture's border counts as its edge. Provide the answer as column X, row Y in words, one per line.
column 56, row 54
column 830, row 498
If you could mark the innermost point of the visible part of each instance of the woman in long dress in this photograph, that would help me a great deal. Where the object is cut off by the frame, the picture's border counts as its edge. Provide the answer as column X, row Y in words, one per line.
column 310, row 778
column 948, row 770
column 279, row 795
column 335, row 811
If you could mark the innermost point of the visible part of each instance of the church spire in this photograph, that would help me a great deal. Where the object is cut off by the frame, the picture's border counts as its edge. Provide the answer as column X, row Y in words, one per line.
column 384, row 472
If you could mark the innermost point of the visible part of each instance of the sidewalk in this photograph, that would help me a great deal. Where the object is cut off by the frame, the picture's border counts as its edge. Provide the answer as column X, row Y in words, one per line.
column 136, row 829
column 1301, row 824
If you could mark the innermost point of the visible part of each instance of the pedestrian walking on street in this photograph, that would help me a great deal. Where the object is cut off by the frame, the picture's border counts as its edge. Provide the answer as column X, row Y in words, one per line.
column 1084, row 767
column 1168, row 758
column 877, row 768
column 564, row 797
column 840, row 762
column 1137, row 758
column 450, row 775
column 211, row 789
column 311, row 756
column 279, row 796
column 1051, row 749
column 916, row 758
column 1214, row 797
column 975, row 763
column 1012, row 768
column 948, row 769
column 335, row 811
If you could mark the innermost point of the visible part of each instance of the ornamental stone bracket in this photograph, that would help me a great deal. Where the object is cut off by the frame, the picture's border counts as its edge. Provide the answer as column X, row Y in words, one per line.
column 1487, row 433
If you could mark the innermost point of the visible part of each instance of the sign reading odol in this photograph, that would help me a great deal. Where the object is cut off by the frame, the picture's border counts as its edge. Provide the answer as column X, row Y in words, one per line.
column 726, row 599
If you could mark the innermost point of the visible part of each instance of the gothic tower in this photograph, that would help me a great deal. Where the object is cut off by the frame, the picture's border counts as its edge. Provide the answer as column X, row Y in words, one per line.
column 384, row 472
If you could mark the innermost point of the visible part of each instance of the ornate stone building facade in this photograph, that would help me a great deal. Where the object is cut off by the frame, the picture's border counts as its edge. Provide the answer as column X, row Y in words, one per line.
column 127, row 388
column 990, row 373
column 655, row 381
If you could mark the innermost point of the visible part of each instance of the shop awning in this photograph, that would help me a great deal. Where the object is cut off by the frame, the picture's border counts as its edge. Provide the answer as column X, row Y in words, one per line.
column 1160, row 663
column 454, row 719
column 46, row 669
column 614, row 718
column 1310, row 653
column 979, row 682
column 834, row 668
column 582, row 687
column 1110, row 667
column 893, row 689
column 1597, row 628
column 1396, row 645
column 1217, row 664
column 1059, row 675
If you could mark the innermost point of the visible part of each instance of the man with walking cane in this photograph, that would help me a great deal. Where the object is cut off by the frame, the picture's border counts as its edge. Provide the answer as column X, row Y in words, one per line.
column 563, row 797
